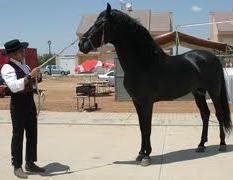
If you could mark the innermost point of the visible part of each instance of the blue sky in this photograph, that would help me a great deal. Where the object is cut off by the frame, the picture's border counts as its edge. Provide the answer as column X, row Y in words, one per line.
column 38, row 21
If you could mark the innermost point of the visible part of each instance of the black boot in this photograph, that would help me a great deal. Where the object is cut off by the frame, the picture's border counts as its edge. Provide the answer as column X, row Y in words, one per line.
column 32, row 167
column 20, row 173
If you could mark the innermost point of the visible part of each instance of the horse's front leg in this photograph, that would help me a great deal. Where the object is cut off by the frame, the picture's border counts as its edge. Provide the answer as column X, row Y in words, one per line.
column 144, row 111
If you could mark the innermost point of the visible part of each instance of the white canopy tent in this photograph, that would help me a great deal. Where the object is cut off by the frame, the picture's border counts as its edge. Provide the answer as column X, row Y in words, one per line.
column 228, row 72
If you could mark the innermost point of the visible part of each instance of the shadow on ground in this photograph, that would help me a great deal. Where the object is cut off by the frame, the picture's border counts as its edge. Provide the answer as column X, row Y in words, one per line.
column 54, row 169
column 182, row 155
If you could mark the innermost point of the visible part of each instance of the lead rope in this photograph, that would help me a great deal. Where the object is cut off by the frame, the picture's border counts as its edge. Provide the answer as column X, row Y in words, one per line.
column 41, row 93
column 38, row 93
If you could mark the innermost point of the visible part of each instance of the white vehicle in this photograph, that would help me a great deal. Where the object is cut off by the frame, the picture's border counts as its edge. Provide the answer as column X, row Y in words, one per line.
column 109, row 76
column 55, row 69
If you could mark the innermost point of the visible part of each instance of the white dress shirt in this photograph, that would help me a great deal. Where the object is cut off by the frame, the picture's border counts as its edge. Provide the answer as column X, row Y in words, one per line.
column 10, row 77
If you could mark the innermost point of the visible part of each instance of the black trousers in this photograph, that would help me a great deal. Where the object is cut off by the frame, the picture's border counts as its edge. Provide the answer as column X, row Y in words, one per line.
column 23, row 115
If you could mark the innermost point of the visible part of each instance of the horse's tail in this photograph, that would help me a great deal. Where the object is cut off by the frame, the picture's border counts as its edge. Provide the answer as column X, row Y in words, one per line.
column 227, row 124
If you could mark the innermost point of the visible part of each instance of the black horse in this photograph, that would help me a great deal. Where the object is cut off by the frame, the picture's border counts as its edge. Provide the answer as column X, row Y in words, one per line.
column 151, row 75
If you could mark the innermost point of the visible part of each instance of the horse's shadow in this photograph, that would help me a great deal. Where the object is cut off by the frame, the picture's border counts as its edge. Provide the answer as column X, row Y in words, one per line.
column 182, row 155
column 54, row 169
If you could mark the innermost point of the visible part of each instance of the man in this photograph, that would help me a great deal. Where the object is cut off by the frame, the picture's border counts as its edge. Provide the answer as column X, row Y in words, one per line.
column 20, row 80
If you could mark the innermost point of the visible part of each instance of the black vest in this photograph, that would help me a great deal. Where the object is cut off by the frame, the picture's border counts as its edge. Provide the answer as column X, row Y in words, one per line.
column 22, row 103
column 21, row 74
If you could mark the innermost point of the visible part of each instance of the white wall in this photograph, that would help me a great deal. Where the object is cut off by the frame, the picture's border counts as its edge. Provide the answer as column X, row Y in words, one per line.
column 67, row 62
column 228, row 72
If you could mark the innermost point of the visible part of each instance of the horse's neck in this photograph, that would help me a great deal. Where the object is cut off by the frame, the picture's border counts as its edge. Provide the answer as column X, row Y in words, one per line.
column 123, row 57
column 134, row 55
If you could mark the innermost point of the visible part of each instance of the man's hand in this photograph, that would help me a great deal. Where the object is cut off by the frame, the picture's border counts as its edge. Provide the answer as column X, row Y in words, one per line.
column 35, row 72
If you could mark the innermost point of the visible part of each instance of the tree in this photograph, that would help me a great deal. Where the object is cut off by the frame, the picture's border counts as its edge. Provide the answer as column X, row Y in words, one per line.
column 44, row 57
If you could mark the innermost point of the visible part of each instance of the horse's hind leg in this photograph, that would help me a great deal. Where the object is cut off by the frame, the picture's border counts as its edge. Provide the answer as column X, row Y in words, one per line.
column 205, row 114
column 220, row 116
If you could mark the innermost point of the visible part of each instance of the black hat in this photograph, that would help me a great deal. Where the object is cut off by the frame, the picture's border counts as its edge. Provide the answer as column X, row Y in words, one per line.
column 14, row 45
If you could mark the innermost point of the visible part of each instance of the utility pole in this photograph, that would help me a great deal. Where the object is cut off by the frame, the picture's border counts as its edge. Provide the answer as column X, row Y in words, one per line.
column 49, row 43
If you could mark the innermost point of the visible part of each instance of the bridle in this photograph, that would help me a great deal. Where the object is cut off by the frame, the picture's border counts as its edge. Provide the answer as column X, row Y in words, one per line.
column 102, row 37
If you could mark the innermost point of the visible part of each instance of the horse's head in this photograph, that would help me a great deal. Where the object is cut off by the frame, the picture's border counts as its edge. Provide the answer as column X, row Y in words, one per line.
column 98, row 34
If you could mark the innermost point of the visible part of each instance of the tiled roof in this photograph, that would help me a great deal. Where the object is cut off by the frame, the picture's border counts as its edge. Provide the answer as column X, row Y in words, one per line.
column 153, row 21
column 169, row 39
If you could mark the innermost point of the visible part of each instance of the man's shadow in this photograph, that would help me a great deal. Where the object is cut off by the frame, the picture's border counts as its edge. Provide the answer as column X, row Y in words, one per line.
column 182, row 155
column 54, row 169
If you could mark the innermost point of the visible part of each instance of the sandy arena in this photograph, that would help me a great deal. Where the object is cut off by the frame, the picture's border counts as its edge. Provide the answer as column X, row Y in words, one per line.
column 60, row 96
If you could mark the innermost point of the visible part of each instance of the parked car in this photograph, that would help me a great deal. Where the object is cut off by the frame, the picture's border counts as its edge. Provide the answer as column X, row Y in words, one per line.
column 55, row 69
column 109, row 76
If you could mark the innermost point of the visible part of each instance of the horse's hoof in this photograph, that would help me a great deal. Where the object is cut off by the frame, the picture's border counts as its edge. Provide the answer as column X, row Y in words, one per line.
column 222, row 148
column 140, row 157
column 200, row 149
column 146, row 161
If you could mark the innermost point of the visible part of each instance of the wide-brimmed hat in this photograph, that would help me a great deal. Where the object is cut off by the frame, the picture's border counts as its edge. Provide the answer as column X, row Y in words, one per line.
column 13, row 46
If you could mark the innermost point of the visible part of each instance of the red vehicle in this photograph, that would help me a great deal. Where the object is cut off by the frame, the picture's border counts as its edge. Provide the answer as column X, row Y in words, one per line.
column 31, row 61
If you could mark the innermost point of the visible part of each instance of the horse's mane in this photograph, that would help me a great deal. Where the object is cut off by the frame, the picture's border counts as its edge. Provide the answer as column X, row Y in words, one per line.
column 131, row 24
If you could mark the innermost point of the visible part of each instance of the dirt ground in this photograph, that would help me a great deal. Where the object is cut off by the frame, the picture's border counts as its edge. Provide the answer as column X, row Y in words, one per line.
column 60, row 96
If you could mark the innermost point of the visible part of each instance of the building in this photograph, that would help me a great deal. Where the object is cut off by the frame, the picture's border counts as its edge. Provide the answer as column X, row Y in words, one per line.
column 68, row 62
column 221, row 32
column 157, row 23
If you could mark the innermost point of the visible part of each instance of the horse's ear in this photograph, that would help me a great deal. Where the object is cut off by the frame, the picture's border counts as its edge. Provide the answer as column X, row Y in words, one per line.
column 109, row 9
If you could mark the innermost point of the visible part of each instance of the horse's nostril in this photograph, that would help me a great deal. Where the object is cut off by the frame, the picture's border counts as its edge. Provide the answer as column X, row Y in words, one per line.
column 79, row 44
